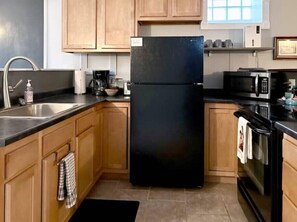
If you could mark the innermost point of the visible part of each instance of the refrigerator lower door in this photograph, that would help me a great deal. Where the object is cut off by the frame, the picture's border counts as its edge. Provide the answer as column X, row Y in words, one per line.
column 167, row 139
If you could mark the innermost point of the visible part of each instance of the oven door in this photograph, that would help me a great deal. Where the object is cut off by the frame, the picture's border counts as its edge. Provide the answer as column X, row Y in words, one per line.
column 254, row 177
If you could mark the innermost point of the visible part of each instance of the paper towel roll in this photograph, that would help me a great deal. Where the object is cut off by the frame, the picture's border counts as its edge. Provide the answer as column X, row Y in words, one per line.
column 79, row 82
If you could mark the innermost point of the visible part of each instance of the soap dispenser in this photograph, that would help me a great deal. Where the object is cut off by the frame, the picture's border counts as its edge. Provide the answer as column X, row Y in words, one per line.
column 28, row 95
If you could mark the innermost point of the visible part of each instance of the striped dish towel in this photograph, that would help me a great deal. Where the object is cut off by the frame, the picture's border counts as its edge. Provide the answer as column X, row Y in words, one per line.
column 67, row 182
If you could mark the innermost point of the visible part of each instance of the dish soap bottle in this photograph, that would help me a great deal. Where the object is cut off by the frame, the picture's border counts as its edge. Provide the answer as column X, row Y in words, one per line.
column 29, row 93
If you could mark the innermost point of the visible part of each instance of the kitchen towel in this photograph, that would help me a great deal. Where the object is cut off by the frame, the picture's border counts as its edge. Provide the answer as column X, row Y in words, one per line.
column 244, row 140
column 79, row 82
column 261, row 151
column 67, row 182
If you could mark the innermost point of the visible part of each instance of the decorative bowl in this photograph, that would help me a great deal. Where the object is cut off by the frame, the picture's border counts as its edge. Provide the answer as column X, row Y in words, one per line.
column 111, row 92
column 291, row 102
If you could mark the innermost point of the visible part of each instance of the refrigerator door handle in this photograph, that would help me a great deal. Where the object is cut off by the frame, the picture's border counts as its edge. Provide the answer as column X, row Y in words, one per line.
column 198, row 84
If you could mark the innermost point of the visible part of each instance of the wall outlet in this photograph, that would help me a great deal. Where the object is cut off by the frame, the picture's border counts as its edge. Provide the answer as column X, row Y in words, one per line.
column 292, row 82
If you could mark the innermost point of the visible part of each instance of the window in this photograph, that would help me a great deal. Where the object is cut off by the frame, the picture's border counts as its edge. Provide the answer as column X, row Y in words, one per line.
column 235, row 14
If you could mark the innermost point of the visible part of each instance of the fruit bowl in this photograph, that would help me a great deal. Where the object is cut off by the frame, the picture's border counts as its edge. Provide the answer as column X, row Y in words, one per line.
column 111, row 92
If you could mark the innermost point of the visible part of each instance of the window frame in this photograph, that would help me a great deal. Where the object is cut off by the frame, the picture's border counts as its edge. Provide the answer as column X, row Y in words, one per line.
column 264, row 25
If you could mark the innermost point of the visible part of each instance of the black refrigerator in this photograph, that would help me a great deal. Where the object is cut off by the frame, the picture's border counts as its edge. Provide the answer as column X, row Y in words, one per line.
column 167, row 111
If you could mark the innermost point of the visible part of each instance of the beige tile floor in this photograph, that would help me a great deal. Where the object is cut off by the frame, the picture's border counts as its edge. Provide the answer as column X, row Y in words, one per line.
column 213, row 203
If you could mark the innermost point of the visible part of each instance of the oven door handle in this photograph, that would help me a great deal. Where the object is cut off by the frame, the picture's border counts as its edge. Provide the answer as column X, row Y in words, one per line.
column 254, row 128
column 258, row 130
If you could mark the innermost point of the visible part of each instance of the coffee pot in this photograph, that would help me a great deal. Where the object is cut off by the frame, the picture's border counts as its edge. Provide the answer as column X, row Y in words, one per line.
column 99, row 82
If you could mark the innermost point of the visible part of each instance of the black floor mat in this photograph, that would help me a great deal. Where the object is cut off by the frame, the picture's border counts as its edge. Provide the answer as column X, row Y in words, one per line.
column 95, row 210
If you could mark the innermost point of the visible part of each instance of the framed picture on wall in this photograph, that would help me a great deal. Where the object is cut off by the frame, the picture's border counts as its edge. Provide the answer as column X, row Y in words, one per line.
column 285, row 47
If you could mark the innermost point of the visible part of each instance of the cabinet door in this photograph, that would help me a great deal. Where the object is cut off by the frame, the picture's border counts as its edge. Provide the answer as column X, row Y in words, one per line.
column 186, row 8
column 79, row 24
column 98, row 143
column 22, row 197
column 52, row 209
column 85, row 150
column 220, row 140
column 115, row 137
column 115, row 25
column 152, row 8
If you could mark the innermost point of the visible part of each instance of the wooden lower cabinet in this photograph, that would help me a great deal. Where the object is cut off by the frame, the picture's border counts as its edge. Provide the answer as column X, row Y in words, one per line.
column 20, row 180
column 22, row 196
column 115, row 138
column 29, row 169
column 289, row 179
column 220, row 141
column 98, row 149
column 52, row 209
column 57, row 141
column 85, row 153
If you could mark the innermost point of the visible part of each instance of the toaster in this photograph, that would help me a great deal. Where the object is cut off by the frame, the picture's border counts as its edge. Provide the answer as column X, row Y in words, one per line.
column 127, row 91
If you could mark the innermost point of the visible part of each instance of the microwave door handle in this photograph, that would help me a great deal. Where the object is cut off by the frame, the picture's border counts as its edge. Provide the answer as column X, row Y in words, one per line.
column 257, row 85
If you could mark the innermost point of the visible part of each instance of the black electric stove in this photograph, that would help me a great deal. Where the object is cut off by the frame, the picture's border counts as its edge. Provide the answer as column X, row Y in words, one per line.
column 259, row 183
column 269, row 112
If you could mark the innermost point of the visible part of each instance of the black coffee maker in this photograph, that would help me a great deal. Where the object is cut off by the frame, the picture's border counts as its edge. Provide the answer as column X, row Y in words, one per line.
column 99, row 82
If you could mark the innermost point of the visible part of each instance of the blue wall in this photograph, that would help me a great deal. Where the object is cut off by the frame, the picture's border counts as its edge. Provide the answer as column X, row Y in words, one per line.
column 21, row 31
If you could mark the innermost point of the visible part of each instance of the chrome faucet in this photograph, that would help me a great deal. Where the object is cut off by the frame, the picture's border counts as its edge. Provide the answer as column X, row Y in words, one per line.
column 5, row 87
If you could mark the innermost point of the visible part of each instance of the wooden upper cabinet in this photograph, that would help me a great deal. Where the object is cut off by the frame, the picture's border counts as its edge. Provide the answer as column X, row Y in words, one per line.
column 168, row 10
column 115, row 25
column 98, row 25
column 153, row 8
column 186, row 8
column 79, row 24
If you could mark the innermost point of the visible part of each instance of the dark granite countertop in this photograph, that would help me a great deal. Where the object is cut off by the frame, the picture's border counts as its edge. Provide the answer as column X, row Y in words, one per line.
column 287, row 127
column 12, row 130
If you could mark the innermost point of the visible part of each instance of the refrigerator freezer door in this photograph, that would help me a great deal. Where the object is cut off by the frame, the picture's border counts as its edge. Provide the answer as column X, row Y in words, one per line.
column 167, row 60
column 167, row 140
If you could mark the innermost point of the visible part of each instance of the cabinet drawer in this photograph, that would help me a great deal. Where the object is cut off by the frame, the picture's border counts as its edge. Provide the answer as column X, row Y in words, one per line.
column 85, row 122
column 20, row 159
column 290, row 152
column 57, row 138
column 289, row 210
column 289, row 182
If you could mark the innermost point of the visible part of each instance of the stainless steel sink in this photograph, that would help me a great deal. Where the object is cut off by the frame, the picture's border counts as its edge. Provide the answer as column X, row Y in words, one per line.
column 38, row 110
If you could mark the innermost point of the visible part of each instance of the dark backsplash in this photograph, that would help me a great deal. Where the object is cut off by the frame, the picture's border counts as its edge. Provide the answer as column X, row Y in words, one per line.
column 45, row 83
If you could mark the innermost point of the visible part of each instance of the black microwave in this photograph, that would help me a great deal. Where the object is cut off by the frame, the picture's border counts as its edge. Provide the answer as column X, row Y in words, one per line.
column 267, row 85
